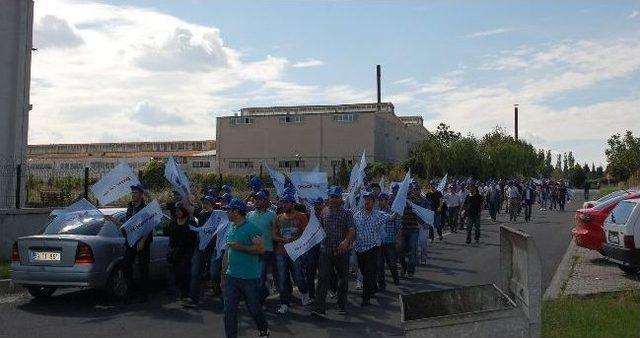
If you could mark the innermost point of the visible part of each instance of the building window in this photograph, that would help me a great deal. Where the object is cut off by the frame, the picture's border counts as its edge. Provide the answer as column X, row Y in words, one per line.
column 201, row 164
column 291, row 164
column 242, row 120
column 343, row 117
column 292, row 119
column 240, row 164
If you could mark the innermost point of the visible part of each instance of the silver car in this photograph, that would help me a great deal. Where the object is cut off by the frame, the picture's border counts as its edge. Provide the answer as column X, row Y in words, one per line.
column 84, row 250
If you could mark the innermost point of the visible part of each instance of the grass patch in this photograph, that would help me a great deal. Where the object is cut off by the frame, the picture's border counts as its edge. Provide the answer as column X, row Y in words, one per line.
column 4, row 270
column 603, row 315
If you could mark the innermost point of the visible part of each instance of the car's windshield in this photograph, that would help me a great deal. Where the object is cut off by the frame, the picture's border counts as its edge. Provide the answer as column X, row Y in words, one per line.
column 621, row 213
column 77, row 223
column 610, row 196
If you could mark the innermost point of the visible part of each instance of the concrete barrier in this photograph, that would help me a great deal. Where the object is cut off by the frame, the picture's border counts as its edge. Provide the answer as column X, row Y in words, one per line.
column 18, row 223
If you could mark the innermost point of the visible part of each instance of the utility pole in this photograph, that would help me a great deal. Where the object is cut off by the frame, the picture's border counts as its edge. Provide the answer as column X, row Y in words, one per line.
column 515, row 106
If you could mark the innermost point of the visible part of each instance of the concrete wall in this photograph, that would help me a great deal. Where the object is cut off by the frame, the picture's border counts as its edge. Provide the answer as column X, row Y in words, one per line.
column 17, row 223
column 16, row 26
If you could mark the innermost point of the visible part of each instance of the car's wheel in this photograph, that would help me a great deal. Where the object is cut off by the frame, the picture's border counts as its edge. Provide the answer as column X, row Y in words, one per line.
column 632, row 270
column 41, row 291
column 117, row 285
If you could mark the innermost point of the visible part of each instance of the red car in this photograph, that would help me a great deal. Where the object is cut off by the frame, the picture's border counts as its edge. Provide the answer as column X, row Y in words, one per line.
column 588, row 231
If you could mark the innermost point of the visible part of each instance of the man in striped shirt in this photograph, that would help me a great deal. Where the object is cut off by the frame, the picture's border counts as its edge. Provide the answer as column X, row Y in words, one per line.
column 409, row 234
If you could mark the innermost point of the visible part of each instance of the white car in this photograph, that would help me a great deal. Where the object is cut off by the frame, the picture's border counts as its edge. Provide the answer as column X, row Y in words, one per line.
column 622, row 231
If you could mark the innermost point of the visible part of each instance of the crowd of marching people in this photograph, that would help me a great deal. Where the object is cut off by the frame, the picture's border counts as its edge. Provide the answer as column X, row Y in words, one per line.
column 365, row 240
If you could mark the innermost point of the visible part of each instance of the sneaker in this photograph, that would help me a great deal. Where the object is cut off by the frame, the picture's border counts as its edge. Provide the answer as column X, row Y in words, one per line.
column 264, row 333
column 305, row 299
column 319, row 314
column 358, row 285
column 282, row 309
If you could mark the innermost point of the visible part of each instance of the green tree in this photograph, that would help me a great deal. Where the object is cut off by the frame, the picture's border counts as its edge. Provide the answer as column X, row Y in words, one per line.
column 577, row 176
column 623, row 155
column 153, row 175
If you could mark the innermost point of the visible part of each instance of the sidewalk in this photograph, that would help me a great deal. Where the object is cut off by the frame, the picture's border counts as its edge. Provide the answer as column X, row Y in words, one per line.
column 591, row 273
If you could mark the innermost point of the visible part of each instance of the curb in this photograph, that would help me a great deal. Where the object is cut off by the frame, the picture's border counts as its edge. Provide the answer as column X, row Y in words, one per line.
column 6, row 286
column 562, row 273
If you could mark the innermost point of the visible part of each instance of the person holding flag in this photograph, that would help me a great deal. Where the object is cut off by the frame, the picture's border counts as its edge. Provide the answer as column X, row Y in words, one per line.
column 409, row 233
column 242, row 270
column 388, row 248
column 200, row 258
column 264, row 219
column 141, row 249
column 339, row 228
column 288, row 227
column 434, row 198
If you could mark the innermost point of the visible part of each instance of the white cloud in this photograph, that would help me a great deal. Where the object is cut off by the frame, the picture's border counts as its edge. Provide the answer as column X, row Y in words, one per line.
column 308, row 63
column 487, row 33
column 54, row 32
column 634, row 14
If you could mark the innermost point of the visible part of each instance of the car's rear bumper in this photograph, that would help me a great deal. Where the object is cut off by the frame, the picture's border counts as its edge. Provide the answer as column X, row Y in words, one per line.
column 620, row 255
column 588, row 238
column 59, row 277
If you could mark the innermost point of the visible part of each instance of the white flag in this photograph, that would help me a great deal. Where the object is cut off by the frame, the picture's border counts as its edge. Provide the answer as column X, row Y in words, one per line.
column 221, row 242
column 72, row 216
column 354, row 180
column 310, row 185
column 401, row 197
column 311, row 236
column 211, row 228
column 143, row 222
column 176, row 176
column 115, row 184
column 278, row 180
column 425, row 214
column 443, row 183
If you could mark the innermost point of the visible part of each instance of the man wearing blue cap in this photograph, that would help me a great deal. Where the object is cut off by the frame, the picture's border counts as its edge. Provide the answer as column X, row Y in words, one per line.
column 242, row 266
column 141, row 249
column 339, row 228
column 264, row 219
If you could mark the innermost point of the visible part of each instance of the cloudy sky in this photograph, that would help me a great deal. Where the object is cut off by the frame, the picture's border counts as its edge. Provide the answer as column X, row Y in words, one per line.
column 116, row 70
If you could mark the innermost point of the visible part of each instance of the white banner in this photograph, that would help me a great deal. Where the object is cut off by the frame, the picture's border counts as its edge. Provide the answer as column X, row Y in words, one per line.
column 209, row 229
column 311, row 236
column 353, row 186
column 443, row 183
column 143, row 222
column 115, row 184
column 310, row 185
column 425, row 214
column 278, row 180
column 176, row 176
column 221, row 241
column 401, row 197
column 71, row 216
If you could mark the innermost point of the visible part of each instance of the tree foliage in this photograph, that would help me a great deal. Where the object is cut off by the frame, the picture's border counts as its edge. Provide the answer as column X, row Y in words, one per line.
column 623, row 156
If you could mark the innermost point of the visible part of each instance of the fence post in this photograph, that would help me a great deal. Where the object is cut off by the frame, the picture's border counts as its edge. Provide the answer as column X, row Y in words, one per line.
column 18, row 184
column 86, row 183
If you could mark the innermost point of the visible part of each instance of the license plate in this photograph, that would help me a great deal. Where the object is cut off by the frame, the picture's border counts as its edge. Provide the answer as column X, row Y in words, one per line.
column 45, row 256
column 613, row 237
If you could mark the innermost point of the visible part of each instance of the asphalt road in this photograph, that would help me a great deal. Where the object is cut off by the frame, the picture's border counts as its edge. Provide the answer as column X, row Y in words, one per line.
column 451, row 264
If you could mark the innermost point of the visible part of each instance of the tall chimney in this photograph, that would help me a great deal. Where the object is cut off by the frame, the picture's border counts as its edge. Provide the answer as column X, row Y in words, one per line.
column 378, row 75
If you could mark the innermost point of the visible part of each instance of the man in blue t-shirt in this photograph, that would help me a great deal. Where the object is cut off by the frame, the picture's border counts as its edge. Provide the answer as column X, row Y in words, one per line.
column 242, row 266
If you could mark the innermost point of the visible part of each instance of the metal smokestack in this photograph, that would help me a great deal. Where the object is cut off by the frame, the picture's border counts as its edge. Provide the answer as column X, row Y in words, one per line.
column 378, row 75
column 515, row 106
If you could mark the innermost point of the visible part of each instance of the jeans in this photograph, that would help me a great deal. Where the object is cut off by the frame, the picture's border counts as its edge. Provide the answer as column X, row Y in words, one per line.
column 327, row 264
column 453, row 213
column 474, row 222
column 527, row 210
column 247, row 289
column 423, row 242
column 215, row 267
column 493, row 210
column 198, row 263
column 144, row 257
column 409, row 251
column 437, row 225
column 267, row 260
column 368, row 265
column 513, row 208
column 285, row 267
column 310, row 269
column 388, row 254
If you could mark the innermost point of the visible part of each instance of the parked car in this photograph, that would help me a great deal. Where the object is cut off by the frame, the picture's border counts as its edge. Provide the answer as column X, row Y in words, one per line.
column 84, row 250
column 588, row 231
column 622, row 228
column 591, row 204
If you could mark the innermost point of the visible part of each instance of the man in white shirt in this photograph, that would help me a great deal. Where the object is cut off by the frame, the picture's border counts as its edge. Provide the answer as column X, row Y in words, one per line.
column 452, row 198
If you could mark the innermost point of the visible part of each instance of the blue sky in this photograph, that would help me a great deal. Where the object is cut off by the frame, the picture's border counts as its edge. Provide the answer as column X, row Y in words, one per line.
column 572, row 65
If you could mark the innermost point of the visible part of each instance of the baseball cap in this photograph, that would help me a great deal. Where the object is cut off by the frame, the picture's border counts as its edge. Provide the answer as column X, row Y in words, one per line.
column 208, row 198
column 236, row 204
column 227, row 197
column 383, row 195
column 226, row 188
column 138, row 187
column 368, row 194
column 261, row 195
